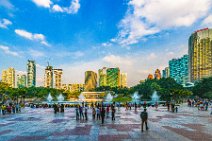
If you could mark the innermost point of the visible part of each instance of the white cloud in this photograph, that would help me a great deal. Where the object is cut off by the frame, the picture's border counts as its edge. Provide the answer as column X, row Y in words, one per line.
column 57, row 8
column 147, row 17
column 75, row 54
column 43, row 3
column 7, row 4
column 32, row 36
column 207, row 21
column 72, row 9
column 7, row 50
column 137, row 65
column 24, row 34
column 4, row 23
column 116, row 61
column 36, row 53
column 21, row 72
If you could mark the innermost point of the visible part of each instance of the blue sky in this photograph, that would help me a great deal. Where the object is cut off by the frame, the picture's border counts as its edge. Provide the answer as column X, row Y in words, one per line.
column 78, row 35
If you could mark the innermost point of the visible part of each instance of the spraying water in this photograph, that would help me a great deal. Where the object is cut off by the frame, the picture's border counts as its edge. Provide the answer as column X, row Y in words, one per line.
column 49, row 98
column 60, row 98
column 109, row 97
column 135, row 97
column 155, row 98
column 81, row 97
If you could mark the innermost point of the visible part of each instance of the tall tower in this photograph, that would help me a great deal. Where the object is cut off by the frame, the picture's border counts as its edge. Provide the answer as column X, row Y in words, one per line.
column 123, row 80
column 48, row 77
column 157, row 74
column 31, row 73
column 179, row 69
column 200, row 54
column 166, row 72
column 58, row 78
column 8, row 76
column 113, row 77
column 21, row 80
column 103, row 77
column 90, row 80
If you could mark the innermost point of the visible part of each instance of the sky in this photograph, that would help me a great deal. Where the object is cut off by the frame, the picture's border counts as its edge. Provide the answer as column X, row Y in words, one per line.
column 138, row 36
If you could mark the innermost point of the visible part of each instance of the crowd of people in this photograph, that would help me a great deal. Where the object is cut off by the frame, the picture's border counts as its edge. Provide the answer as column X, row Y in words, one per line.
column 99, row 111
column 201, row 104
column 10, row 108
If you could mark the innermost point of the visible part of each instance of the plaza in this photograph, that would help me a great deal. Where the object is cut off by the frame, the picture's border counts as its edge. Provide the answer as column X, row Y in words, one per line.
column 42, row 124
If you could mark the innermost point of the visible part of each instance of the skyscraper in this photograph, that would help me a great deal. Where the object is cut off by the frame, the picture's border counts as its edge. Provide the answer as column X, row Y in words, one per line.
column 8, row 76
column 179, row 69
column 166, row 72
column 21, row 80
column 90, row 80
column 157, row 74
column 31, row 73
column 113, row 77
column 48, row 77
column 200, row 54
column 123, row 80
column 58, row 78
column 103, row 77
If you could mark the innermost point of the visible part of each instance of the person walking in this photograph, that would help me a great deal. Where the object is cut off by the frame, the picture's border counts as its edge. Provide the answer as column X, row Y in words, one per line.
column 94, row 113
column 144, row 118
column 113, row 113
column 98, row 113
column 107, row 111
column 103, row 114
column 86, row 112
column 77, row 112
column 81, row 112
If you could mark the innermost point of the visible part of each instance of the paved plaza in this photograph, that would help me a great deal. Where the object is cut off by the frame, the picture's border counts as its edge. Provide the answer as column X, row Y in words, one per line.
column 43, row 124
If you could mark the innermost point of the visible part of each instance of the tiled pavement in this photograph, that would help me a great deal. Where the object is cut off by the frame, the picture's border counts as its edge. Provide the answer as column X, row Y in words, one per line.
column 43, row 124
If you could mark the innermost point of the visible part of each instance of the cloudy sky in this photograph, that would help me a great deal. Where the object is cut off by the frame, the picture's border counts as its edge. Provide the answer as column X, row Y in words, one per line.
column 78, row 35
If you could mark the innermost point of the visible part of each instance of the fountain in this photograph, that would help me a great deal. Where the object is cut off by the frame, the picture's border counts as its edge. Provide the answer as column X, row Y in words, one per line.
column 49, row 98
column 135, row 97
column 81, row 97
column 108, row 98
column 155, row 98
column 60, row 98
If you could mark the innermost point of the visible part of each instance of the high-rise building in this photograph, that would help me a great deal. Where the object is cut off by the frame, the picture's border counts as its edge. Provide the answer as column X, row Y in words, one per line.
column 166, row 72
column 8, row 76
column 90, row 80
column 58, row 78
column 21, row 80
column 103, row 77
column 31, row 73
column 150, row 76
column 48, row 77
column 157, row 74
column 123, row 80
column 200, row 54
column 179, row 69
column 113, row 77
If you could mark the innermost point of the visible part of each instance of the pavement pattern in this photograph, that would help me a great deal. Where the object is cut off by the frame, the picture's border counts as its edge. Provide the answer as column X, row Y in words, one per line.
column 188, row 124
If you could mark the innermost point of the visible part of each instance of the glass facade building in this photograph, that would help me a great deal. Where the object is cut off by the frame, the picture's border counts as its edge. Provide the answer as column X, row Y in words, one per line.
column 103, row 76
column 48, row 77
column 21, row 80
column 31, row 73
column 200, row 54
column 90, row 80
column 113, row 77
column 166, row 72
column 58, row 78
column 8, row 77
column 179, row 69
